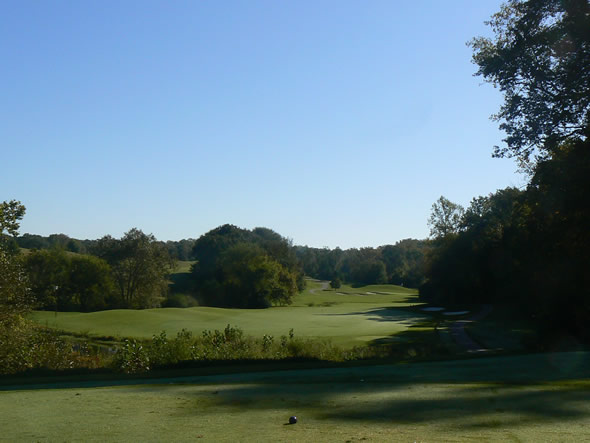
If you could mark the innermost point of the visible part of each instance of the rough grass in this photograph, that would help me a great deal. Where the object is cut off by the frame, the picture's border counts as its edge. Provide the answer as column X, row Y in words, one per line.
column 525, row 398
column 347, row 320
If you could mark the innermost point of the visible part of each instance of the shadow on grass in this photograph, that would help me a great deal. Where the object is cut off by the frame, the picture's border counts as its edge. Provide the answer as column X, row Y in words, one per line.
column 384, row 314
column 488, row 392
column 381, row 402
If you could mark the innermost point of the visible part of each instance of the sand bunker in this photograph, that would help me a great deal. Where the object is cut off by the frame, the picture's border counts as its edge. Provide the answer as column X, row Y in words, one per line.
column 433, row 309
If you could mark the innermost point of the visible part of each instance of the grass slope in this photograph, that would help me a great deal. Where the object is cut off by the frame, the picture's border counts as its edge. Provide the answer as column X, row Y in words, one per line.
column 524, row 398
column 349, row 317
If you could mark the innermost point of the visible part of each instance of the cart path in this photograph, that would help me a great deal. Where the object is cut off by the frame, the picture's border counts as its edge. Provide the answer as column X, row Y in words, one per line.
column 461, row 337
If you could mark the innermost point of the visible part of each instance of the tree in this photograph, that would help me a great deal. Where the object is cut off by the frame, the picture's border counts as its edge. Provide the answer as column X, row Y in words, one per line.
column 69, row 282
column 14, row 299
column 246, row 269
column 445, row 218
column 335, row 283
column 14, row 295
column 11, row 213
column 252, row 279
column 404, row 262
column 48, row 274
column 540, row 60
column 140, row 267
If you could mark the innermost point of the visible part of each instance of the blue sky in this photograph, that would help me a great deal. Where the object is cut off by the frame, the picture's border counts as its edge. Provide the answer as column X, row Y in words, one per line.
column 335, row 123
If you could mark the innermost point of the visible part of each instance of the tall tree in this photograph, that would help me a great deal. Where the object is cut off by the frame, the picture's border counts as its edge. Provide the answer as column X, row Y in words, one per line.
column 539, row 58
column 247, row 269
column 445, row 218
column 69, row 282
column 140, row 267
column 14, row 296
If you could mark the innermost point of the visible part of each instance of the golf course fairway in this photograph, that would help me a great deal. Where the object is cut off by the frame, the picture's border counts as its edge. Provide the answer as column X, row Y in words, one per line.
column 541, row 397
column 349, row 317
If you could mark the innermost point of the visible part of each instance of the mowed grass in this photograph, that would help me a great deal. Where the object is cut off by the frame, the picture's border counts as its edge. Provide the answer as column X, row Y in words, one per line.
column 524, row 398
column 349, row 317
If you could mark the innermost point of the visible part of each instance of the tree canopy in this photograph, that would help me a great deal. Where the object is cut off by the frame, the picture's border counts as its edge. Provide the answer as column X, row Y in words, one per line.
column 399, row 264
column 246, row 269
column 14, row 294
column 530, row 248
column 69, row 282
column 539, row 58
column 140, row 266
column 445, row 218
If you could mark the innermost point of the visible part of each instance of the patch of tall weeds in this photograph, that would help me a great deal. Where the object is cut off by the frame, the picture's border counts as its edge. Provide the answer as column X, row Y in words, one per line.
column 25, row 347
column 225, row 345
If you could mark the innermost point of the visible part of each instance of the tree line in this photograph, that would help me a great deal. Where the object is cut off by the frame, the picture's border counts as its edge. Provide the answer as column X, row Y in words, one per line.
column 399, row 264
column 179, row 250
column 234, row 267
column 528, row 248
column 130, row 272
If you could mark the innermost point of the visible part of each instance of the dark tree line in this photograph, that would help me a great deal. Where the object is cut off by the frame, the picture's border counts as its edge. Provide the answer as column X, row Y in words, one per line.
column 179, row 250
column 399, row 264
column 529, row 248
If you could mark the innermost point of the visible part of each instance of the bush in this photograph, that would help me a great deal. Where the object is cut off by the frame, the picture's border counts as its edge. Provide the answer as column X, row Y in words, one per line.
column 132, row 358
column 228, row 344
column 26, row 347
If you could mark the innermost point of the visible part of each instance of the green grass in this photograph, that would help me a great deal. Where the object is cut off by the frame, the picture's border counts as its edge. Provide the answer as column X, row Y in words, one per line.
column 183, row 267
column 351, row 319
column 524, row 398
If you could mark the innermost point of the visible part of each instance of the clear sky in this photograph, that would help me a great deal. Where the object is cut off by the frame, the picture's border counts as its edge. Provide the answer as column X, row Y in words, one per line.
column 334, row 123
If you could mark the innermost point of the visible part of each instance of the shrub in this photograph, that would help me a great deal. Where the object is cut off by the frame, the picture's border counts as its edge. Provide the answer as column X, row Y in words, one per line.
column 132, row 358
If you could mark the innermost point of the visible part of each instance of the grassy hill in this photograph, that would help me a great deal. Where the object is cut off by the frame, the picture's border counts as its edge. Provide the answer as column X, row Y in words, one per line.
column 348, row 317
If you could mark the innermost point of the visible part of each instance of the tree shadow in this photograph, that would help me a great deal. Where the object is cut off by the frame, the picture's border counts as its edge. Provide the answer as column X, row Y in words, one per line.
column 394, row 314
column 484, row 392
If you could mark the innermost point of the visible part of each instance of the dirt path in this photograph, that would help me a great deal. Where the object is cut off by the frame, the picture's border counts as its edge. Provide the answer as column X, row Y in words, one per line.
column 461, row 337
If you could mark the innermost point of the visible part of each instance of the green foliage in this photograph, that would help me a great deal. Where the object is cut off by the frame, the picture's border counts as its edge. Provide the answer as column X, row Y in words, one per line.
column 14, row 294
column 132, row 358
column 140, row 267
column 25, row 347
column 530, row 249
column 335, row 283
column 55, row 241
column 182, row 249
column 400, row 264
column 445, row 218
column 15, row 300
column 404, row 262
column 69, row 282
column 539, row 59
column 245, row 269
column 11, row 213
column 473, row 265
column 225, row 345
